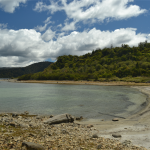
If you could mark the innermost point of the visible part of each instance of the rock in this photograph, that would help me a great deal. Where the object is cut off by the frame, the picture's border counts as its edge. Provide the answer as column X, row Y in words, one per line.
column 63, row 118
column 89, row 126
column 19, row 117
column 12, row 124
column 24, row 125
column 95, row 136
column 116, row 135
column 14, row 115
column 32, row 146
column 39, row 117
column 64, row 131
column 26, row 113
column 99, row 146
column 79, row 118
column 126, row 142
column 51, row 116
column 115, row 119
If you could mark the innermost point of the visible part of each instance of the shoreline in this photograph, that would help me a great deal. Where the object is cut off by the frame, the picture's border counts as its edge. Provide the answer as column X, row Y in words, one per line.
column 117, row 83
column 135, row 128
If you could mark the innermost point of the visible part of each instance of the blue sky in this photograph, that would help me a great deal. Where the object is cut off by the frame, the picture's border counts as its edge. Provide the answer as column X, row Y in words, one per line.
column 38, row 30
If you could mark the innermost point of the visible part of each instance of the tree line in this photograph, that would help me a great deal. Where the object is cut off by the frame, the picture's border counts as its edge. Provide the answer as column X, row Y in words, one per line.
column 106, row 63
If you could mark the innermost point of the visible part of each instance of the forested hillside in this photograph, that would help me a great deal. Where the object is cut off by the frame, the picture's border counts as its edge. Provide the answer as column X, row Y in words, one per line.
column 15, row 72
column 118, row 62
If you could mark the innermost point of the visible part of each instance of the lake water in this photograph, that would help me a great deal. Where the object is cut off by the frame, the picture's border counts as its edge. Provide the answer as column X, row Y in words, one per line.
column 89, row 101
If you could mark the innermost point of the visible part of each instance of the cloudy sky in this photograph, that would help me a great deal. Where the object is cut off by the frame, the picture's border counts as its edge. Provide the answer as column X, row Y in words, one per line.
column 40, row 30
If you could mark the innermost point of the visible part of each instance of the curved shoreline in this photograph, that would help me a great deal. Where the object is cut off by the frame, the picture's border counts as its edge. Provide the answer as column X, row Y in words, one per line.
column 135, row 127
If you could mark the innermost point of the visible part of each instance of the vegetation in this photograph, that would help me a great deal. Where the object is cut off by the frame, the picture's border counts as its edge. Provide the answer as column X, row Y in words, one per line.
column 15, row 72
column 119, row 63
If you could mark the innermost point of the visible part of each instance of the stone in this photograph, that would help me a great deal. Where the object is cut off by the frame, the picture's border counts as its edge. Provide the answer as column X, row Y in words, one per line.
column 12, row 124
column 95, row 136
column 19, row 117
column 63, row 131
column 89, row 126
column 14, row 115
column 26, row 113
column 24, row 125
column 32, row 146
column 51, row 116
column 116, row 135
column 63, row 118
column 99, row 146
column 115, row 119
column 79, row 118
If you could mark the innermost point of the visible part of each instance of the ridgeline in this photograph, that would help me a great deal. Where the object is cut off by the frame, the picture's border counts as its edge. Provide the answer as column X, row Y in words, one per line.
column 15, row 72
column 109, row 64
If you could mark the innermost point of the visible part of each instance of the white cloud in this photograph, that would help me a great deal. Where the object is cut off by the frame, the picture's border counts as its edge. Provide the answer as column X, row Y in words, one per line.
column 60, row 25
column 2, row 26
column 41, row 28
column 48, row 35
column 69, row 26
column 47, row 21
column 93, row 10
column 21, row 47
column 10, row 5
column 40, row 6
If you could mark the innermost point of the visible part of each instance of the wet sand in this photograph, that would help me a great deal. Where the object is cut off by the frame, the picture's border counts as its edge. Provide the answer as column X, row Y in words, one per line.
column 135, row 128
column 121, row 83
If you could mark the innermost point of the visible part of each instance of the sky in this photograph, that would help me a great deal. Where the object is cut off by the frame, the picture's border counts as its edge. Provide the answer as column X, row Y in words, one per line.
column 41, row 30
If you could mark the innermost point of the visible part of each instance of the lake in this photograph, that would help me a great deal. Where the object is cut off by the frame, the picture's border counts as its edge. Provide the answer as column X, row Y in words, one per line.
column 89, row 101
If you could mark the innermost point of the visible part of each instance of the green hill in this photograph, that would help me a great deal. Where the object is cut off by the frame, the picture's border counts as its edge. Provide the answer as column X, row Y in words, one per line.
column 15, row 72
column 119, row 63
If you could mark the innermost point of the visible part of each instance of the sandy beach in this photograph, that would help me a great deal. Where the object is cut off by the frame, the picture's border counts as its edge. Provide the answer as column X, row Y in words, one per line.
column 135, row 128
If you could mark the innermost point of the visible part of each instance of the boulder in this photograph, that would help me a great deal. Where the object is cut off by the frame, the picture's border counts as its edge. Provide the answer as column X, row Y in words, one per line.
column 33, row 146
column 63, row 118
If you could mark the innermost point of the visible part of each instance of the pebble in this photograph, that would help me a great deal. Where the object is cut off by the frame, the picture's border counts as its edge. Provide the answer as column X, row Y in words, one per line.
column 71, row 136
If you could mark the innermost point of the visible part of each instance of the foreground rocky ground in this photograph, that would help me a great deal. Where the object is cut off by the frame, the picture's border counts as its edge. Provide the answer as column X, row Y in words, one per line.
column 32, row 132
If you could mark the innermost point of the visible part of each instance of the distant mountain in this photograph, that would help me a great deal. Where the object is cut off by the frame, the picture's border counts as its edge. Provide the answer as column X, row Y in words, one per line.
column 8, row 72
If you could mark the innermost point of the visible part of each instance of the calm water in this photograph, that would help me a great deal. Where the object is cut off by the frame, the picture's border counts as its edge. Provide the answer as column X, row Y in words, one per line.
column 89, row 101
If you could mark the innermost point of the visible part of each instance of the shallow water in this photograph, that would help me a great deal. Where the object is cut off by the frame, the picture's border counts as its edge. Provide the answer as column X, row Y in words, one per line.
column 89, row 101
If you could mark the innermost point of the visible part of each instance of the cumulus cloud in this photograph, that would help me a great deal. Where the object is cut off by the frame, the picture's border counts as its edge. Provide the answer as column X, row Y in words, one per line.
column 48, row 35
column 69, row 26
column 92, row 10
column 43, row 28
column 22, row 47
column 3, row 25
column 10, row 5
